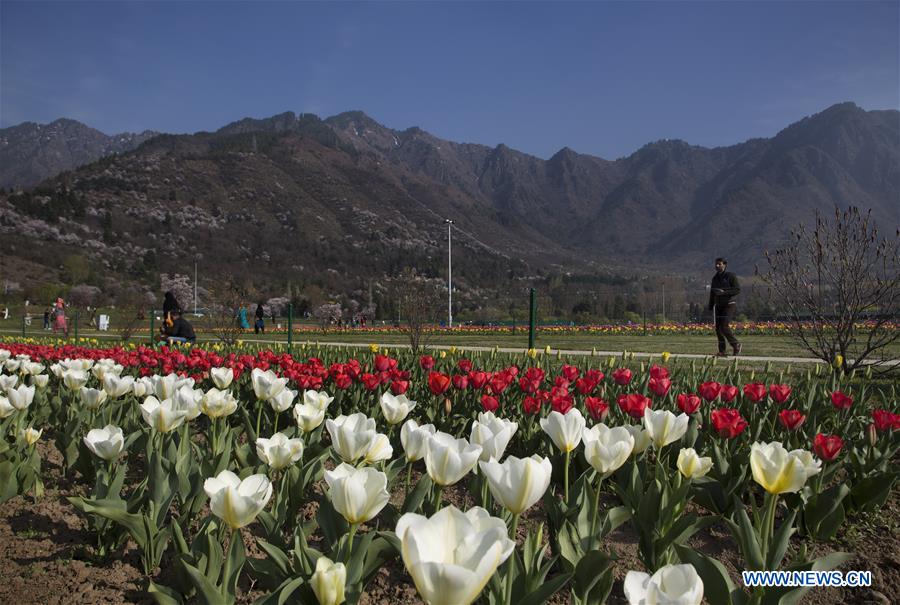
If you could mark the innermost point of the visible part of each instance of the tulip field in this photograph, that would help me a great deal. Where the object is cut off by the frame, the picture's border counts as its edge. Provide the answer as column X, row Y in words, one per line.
column 336, row 475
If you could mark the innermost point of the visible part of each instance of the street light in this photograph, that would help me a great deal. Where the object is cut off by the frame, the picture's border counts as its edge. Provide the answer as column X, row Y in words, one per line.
column 449, row 224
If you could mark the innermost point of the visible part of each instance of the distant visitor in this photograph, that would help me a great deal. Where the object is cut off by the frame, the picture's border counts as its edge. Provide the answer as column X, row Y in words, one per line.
column 722, row 291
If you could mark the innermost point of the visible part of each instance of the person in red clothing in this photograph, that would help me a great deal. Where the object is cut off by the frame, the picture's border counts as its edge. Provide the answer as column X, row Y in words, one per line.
column 722, row 290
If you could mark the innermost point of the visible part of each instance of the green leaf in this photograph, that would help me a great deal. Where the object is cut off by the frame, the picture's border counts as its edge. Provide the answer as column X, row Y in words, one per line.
column 546, row 590
column 415, row 498
column 746, row 536
column 164, row 595
column 717, row 584
column 207, row 592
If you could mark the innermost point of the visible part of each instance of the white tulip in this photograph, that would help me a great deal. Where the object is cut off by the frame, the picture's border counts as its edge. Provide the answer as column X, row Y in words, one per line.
column 8, row 382
column 162, row 415
column 606, row 449
column 74, row 379
column 518, row 483
column 358, row 494
column 492, row 434
column 664, row 427
column 308, row 417
column 691, row 464
column 188, row 399
column 780, row 471
column 453, row 555
column 142, row 387
column 379, row 449
column 6, row 408
column 395, row 408
column 218, row 404
column 116, row 386
column 641, row 438
column 266, row 384
column 282, row 400
column 77, row 364
column 31, row 367
column 20, row 397
column 92, row 398
column 221, row 377
column 4, row 355
column 12, row 365
column 163, row 386
column 110, row 368
column 40, row 380
column 319, row 399
column 237, row 502
column 670, row 585
column 278, row 451
column 447, row 459
column 351, row 435
column 414, row 438
column 106, row 443
column 328, row 581
column 31, row 436
column 564, row 429
column 57, row 370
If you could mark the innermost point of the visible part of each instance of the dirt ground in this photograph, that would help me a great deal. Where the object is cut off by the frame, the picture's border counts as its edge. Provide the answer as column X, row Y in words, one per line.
column 47, row 557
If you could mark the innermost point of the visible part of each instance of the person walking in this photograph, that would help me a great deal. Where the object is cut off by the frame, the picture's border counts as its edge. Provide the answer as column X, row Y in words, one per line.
column 722, row 291
column 260, row 324
column 242, row 318
column 60, row 324
column 47, row 313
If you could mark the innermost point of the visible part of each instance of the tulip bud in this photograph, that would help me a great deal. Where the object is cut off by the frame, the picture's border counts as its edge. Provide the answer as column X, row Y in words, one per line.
column 329, row 578
column 872, row 434
column 31, row 436
column 448, row 405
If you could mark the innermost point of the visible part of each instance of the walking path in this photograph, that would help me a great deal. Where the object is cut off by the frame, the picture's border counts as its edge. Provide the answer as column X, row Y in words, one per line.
column 522, row 350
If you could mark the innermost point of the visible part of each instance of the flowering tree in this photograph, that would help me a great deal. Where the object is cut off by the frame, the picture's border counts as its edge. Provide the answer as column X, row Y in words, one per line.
column 421, row 299
column 840, row 286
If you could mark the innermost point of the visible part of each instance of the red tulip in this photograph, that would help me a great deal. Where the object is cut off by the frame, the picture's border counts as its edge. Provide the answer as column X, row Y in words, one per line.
column 841, row 401
column 585, row 386
column 728, row 422
column 791, row 419
column 688, row 403
column 659, row 386
column 598, row 408
column 383, row 363
column 478, row 379
column 755, row 391
column 561, row 403
column 343, row 381
column 827, row 447
column 489, row 403
column 571, row 373
column 399, row 387
column 426, row 362
column 438, row 383
column 531, row 405
column 659, row 371
column 460, row 381
column 498, row 383
column 594, row 375
column 464, row 365
column 634, row 404
column 728, row 393
column 780, row 392
column 710, row 390
column 885, row 420
column 622, row 376
column 370, row 381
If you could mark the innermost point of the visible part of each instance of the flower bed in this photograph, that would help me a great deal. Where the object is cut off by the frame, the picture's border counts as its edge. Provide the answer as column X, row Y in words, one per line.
column 524, row 468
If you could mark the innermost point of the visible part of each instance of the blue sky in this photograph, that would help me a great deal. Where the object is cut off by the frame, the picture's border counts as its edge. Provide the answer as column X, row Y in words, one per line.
column 602, row 78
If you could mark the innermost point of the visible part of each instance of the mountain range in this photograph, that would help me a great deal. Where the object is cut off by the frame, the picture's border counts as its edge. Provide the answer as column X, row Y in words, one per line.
column 342, row 202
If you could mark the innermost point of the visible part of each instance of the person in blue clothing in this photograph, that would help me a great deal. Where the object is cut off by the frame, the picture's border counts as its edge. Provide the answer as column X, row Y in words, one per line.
column 242, row 318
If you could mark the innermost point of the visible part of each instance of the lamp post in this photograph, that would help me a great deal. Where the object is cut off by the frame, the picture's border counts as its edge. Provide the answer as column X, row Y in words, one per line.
column 449, row 275
column 195, row 287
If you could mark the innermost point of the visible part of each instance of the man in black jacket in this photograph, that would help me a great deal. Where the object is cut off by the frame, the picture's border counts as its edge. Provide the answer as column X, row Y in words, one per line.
column 181, row 330
column 722, row 290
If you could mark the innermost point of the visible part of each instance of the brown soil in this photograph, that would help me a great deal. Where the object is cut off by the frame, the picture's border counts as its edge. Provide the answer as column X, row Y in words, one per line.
column 48, row 558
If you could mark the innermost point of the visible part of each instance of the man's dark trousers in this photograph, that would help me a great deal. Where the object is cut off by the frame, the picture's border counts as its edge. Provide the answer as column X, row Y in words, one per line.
column 723, row 314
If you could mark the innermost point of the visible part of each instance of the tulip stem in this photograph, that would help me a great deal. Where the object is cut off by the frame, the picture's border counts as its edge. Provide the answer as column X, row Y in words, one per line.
column 768, row 527
column 408, row 480
column 596, row 511
column 566, row 478
column 511, row 563
column 258, row 416
column 275, row 430
column 353, row 527
column 438, row 491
